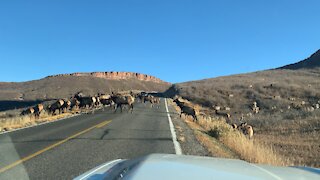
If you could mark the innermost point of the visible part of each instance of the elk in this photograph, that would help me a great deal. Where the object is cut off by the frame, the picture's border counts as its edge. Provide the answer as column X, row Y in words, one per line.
column 121, row 100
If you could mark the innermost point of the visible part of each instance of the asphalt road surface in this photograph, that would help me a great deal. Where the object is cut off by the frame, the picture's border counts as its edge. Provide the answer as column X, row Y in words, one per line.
column 67, row 148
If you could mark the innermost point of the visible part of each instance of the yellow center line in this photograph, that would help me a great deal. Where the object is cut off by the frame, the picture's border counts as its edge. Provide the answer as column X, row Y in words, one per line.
column 102, row 124
column 52, row 146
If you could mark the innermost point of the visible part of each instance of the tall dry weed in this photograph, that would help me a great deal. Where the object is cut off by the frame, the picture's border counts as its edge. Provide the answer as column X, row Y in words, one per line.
column 250, row 150
column 247, row 149
column 17, row 122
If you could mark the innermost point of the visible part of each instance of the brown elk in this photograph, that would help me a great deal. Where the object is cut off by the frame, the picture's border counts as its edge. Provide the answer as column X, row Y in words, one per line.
column 28, row 111
column 121, row 100
column 37, row 110
column 56, row 106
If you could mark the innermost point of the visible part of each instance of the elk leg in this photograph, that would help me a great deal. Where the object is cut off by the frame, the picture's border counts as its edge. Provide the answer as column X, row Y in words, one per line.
column 116, row 107
column 195, row 118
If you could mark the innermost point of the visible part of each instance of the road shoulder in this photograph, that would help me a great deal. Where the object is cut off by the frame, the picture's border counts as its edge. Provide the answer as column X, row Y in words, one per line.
column 185, row 136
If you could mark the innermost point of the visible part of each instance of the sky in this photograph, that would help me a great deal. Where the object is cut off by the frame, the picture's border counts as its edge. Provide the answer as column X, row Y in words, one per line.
column 175, row 40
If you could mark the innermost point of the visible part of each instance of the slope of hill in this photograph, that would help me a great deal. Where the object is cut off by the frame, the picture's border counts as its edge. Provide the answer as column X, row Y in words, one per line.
column 270, row 88
column 312, row 62
column 288, row 99
column 65, row 85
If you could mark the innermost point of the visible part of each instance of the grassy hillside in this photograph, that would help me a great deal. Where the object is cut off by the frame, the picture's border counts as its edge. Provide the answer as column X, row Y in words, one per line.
column 288, row 101
column 273, row 90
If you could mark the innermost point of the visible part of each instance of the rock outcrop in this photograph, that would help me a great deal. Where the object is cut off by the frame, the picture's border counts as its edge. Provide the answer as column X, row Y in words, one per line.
column 116, row 76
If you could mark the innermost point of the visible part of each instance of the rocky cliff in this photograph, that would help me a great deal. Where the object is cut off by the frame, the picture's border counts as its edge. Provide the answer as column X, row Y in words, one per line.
column 116, row 76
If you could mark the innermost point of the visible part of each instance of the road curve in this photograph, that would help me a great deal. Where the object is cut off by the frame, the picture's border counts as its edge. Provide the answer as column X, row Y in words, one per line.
column 67, row 148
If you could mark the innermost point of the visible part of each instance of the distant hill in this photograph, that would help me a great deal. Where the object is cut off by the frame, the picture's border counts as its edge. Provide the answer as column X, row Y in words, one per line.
column 65, row 85
column 310, row 63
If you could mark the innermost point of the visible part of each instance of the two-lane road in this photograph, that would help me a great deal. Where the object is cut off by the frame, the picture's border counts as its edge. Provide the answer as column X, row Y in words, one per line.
column 67, row 148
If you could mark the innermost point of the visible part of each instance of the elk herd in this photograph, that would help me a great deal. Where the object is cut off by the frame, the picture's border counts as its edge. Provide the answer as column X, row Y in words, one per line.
column 120, row 100
column 189, row 109
column 81, row 102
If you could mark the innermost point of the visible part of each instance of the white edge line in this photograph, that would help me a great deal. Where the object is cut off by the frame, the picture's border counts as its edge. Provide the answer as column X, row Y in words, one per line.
column 95, row 170
column 48, row 122
column 176, row 144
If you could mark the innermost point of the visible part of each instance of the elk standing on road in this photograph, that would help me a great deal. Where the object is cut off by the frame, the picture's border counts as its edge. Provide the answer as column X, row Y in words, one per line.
column 87, row 102
column 153, row 100
column 121, row 100
column 105, row 99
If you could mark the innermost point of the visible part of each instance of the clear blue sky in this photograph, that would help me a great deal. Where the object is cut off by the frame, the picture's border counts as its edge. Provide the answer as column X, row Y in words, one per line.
column 174, row 40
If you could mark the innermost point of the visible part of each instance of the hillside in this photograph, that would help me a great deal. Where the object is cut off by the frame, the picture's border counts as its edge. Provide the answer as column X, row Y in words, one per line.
column 66, row 85
column 288, row 99
column 273, row 90
column 310, row 63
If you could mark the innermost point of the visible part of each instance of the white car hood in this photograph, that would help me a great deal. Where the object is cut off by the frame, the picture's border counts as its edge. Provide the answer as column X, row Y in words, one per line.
column 169, row 166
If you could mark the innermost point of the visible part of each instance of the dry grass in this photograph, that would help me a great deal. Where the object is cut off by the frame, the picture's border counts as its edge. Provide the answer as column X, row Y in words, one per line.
column 301, row 148
column 298, row 139
column 16, row 122
column 223, row 141
column 214, row 146
column 250, row 150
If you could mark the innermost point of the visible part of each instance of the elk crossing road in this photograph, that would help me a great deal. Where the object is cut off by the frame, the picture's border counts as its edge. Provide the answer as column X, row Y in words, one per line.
column 67, row 148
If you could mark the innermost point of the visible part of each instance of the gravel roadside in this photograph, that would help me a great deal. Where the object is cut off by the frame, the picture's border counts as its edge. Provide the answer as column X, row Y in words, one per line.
column 185, row 136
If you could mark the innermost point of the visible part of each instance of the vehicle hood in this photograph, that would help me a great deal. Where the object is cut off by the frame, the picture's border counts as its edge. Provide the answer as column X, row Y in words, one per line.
column 169, row 166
